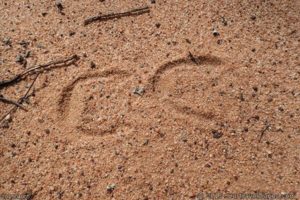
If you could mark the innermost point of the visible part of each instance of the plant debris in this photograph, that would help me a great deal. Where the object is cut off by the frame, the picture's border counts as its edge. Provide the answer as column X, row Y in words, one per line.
column 38, row 69
column 134, row 12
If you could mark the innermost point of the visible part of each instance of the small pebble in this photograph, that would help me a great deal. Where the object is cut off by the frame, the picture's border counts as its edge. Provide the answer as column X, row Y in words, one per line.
column 8, row 118
column 72, row 33
column 255, row 88
column 111, row 187
column 92, row 65
column 224, row 21
column 58, row 4
column 253, row 17
column 27, row 54
column 24, row 44
column 5, row 124
column 215, row 33
column 7, row 41
column 217, row 134
column 20, row 59
column 139, row 91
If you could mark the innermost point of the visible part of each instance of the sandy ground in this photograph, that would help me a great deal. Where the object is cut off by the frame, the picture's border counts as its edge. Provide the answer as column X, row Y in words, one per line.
column 192, row 97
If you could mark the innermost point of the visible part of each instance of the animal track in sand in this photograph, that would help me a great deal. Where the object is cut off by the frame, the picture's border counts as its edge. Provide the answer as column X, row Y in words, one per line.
column 194, row 86
column 95, row 103
column 100, row 104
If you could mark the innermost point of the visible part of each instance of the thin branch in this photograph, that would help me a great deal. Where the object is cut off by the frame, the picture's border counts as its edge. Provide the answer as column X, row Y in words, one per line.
column 20, row 101
column 193, row 59
column 267, row 126
column 25, row 73
column 9, row 101
column 134, row 12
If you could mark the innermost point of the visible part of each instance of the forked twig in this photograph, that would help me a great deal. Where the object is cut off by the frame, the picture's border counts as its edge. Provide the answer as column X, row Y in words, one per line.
column 9, row 101
column 20, row 101
column 267, row 126
column 137, row 11
column 25, row 73
column 22, row 75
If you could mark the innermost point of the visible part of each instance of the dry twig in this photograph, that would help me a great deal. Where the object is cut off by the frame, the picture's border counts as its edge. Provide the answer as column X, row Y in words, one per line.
column 9, row 101
column 20, row 101
column 25, row 73
column 267, row 126
column 134, row 12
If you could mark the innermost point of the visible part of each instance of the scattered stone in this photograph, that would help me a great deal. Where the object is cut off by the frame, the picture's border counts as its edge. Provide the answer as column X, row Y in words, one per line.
column 153, row 1
column 146, row 142
column 92, row 65
column 47, row 131
column 29, row 195
column 78, row 195
column 44, row 14
column 24, row 44
column 8, row 118
column 20, row 59
column 224, row 21
column 255, row 88
column 5, row 124
column 270, row 99
column 242, row 98
column 7, row 41
column 253, row 17
column 111, row 187
column 269, row 153
column 60, row 194
column 207, row 165
column 139, row 91
column 27, row 54
column 217, row 134
column 40, row 46
column 215, row 33
column 188, row 41
column 219, row 42
column 295, row 93
column 72, row 33
column 157, row 25
column 281, row 109
column 58, row 4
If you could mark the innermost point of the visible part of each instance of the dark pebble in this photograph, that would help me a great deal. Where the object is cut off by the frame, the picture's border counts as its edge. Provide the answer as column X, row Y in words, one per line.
column 215, row 33
column 92, row 65
column 20, row 59
column 217, row 134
